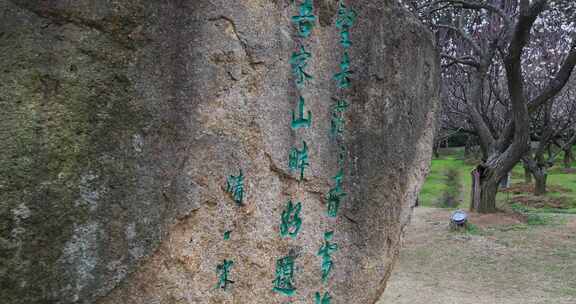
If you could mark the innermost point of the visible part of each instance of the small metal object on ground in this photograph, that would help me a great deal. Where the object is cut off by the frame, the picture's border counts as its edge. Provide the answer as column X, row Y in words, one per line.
column 458, row 219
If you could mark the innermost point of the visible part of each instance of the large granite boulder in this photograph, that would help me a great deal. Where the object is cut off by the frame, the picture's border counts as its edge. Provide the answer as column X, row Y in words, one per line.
column 121, row 120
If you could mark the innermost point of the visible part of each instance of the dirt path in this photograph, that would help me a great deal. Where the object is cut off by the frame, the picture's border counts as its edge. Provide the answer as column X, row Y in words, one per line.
column 507, row 262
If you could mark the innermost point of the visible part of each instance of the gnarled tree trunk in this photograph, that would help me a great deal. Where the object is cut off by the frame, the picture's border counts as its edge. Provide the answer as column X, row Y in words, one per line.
column 468, row 147
column 540, row 178
column 501, row 152
column 488, row 192
column 539, row 169
column 527, row 174
column 485, row 183
column 568, row 158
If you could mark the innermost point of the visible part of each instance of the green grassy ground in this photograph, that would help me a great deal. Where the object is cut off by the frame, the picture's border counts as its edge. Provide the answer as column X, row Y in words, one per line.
column 435, row 185
column 502, row 258
column 561, row 183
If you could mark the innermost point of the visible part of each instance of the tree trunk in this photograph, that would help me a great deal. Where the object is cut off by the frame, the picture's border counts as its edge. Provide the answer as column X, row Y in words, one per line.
column 527, row 175
column 540, row 176
column 540, row 172
column 488, row 191
column 568, row 158
column 468, row 147
column 475, row 193
column 505, row 181
column 484, row 190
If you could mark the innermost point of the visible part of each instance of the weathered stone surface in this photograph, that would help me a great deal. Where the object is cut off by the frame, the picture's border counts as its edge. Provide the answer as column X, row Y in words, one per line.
column 120, row 121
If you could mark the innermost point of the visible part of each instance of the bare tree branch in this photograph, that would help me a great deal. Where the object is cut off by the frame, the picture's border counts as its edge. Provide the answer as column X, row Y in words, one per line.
column 554, row 87
column 464, row 35
column 519, row 127
column 465, row 60
column 476, row 5
column 559, row 81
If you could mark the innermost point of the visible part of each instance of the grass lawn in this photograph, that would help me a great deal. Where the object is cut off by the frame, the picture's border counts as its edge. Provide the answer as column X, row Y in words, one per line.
column 561, row 184
column 525, row 255
column 435, row 185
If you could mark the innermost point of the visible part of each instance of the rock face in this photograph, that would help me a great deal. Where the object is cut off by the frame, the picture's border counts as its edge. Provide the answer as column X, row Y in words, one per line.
column 120, row 121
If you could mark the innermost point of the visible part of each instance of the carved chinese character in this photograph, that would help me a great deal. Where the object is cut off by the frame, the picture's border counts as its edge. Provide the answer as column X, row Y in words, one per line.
column 223, row 270
column 336, row 125
column 346, row 17
column 340, row 106
column 345, row 38
column 337, row 118
column 300, row 121
column 341, row 155
column 291, row 221
column 326, row 253
column 322, row 300
column 299, row 62
column 343, row 78
column 335, row 195
column 298, row 159
column 305, row 20
column 344, row 21
column 284, row 281
column 235, row 186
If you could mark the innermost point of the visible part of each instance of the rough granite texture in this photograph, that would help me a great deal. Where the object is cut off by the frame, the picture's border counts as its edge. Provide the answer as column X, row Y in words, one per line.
column 120, row 120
